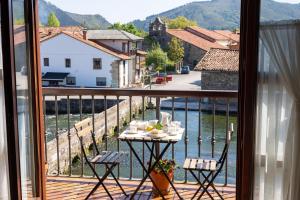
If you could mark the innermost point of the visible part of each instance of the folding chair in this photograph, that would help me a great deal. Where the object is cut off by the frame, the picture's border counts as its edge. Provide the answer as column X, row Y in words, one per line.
column 109, row 159
column 209, row 169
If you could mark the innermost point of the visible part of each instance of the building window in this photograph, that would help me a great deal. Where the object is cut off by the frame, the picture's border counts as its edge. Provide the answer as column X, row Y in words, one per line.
column 71, row 80
column 101, row 81
column 97, row 63
column 46, row 62
column 124, row 72
column 68, row 62
column 124, row 47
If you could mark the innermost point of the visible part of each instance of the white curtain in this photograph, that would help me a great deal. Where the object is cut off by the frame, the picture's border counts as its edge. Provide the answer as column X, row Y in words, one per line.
column 277, row 167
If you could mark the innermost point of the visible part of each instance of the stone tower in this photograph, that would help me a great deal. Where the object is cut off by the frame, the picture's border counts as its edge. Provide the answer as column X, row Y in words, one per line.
column 158, row 31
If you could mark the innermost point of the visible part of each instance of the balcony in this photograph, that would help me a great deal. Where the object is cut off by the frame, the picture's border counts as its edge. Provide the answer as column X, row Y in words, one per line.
column 205, row 115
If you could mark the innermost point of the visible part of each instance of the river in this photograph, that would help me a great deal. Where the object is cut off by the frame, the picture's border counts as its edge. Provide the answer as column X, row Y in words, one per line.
column 192, row 146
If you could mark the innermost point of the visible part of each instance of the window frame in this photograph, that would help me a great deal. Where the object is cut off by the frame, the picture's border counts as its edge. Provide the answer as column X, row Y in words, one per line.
column 68, row 63
column 100, row 63
column 46, row 62
column 73, row 82
column 101, row 85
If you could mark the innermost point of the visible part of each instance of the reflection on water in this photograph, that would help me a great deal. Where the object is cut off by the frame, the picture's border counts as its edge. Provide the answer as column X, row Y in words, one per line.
column 179, row 148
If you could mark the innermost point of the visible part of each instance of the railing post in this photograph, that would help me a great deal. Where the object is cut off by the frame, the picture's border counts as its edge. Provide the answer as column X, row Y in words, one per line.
column 57, row 136
column 69, row 136
column 186, row 138
column 157, row 145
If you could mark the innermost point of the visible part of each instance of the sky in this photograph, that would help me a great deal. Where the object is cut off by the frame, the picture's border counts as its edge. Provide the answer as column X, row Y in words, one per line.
column 124, row 10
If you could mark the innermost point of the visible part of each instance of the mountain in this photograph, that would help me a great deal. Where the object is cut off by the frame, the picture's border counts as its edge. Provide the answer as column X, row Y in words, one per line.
column 224, row 14
column 71, row 19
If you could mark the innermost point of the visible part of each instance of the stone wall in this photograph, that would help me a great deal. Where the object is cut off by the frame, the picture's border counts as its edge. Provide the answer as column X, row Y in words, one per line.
column 217, row 80
column 75, row 105
column 64, row 138
column 192, row 55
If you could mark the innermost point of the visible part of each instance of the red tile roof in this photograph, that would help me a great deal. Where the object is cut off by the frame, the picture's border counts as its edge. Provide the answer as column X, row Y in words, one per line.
column 219, row 60
column 193, row 39
column 205, row 33
column 78, row 36
column 233, row 36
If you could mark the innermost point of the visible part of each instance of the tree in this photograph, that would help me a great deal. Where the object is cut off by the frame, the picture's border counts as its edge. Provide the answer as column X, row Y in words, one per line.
column 130, row 28
column 175, row 50
column 19, row 21
column 53, row 21
column 179, row 22
column 157, row 57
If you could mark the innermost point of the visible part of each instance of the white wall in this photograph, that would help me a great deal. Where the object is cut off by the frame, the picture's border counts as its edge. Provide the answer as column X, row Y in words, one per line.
column 81, row 55
column 116, row 44
column 122, row 73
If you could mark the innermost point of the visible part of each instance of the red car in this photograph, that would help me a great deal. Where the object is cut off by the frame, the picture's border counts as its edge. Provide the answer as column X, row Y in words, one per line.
column 169, row 78
column 160, row 80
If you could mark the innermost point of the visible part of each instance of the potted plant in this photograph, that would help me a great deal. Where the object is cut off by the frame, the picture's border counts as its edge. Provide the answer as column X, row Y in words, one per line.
column 159, row 178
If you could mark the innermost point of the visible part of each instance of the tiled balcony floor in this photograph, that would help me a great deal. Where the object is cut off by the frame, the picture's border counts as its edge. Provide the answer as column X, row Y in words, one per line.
column 78, row 188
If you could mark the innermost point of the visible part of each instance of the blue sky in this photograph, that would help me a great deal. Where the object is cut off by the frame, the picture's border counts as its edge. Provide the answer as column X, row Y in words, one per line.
column 124, row 10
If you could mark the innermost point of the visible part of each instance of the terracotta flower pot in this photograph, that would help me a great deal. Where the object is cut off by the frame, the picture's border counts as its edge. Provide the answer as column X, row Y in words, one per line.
column 161, row 182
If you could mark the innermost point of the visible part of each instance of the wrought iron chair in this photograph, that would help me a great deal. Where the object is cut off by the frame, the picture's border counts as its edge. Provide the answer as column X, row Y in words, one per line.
column 109, row 159
column 209, row 169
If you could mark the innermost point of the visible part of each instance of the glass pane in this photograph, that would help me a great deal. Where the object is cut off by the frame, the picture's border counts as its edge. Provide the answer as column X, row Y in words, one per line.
column 4, row 181
column 277, row 153
column 26, row 139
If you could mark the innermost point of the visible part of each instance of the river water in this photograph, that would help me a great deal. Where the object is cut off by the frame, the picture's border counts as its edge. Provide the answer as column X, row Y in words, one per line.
column 192, row 146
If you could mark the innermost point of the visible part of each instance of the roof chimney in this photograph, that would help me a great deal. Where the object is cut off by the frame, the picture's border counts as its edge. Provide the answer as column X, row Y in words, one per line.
column 84, row 32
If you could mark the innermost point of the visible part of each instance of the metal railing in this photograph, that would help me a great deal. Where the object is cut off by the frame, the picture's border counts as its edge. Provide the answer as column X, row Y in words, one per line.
column 212, row 102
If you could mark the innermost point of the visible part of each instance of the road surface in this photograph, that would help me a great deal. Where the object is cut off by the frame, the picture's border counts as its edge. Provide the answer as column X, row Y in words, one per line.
column 190, row 81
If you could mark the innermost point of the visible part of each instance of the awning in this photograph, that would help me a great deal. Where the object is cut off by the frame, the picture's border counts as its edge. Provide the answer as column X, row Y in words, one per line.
column 59, row 76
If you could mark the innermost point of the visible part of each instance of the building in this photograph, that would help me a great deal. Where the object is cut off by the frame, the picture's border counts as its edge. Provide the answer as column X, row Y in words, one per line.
column 124, row 42
column 69, row 59
column 197, row 41
column 219, row 69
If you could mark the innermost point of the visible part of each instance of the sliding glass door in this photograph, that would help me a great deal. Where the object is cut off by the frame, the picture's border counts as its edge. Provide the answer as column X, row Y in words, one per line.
column 23, row 67
column 20, row 128
column 4, row 181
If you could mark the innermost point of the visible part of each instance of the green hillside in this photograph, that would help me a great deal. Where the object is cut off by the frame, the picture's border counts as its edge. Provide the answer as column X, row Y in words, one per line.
column 224, row 14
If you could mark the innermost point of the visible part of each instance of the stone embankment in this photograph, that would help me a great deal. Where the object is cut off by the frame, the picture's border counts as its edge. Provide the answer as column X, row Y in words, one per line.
column 69, row 138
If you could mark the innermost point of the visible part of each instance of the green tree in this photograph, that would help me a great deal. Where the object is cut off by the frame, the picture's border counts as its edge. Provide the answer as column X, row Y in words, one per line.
column 130, row 28
column 175, row 50
column 19, row 21
column 157, row 57
column 180, row 22
column 53, row 21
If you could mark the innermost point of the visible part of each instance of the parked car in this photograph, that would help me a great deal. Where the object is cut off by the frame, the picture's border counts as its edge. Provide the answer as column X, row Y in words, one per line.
column 169, row 77
column 160, row 80
column 185, row 70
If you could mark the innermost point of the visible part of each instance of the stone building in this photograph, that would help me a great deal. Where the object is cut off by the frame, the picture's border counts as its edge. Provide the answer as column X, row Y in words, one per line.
column 197, row 41
column 219, row 69
column 158, row 31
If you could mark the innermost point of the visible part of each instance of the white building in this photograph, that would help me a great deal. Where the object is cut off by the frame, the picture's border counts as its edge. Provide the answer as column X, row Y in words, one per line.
column 69, row 59
column 124, row 42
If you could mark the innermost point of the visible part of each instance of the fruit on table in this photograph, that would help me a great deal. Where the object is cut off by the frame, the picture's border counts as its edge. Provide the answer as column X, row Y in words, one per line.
column 149, row 128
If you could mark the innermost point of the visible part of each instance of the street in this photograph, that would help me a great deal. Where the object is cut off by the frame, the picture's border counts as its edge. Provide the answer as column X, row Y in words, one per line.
column 190, row 81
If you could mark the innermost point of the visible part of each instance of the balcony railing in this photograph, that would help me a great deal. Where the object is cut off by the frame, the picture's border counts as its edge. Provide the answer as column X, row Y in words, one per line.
column 205, row 115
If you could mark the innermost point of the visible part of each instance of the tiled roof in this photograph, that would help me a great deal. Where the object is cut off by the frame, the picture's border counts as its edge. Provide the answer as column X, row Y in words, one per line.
column 193, row 39
column 111, row 35
column 78, row 36
column 19, row 34
column 142, row 53
column 205, row 33
column 55, row 76
column 233, row 36
column 219, row 60
column 47, row 31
